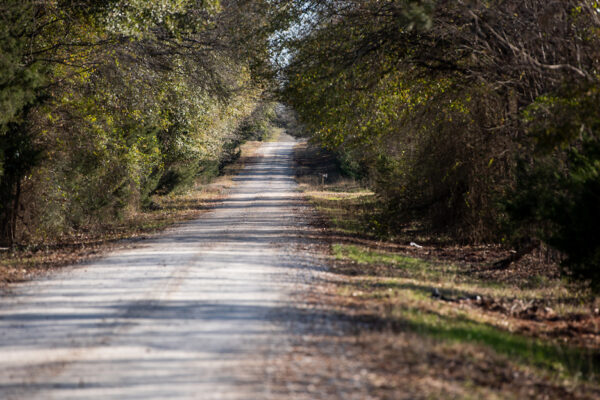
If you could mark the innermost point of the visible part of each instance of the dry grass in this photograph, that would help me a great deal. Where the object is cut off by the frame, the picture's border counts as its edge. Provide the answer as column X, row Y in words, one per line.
column 23, row 263
column 437, row 320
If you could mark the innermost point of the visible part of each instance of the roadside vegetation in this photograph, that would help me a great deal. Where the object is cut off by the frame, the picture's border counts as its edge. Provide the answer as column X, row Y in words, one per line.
column 476, row 119
column 105, row 104
column 445, row 309
column 110, row 111
column 453, row 158
column 25, row 261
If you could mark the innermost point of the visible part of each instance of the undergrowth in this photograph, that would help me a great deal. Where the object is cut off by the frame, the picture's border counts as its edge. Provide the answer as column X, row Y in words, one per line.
column 526, row 316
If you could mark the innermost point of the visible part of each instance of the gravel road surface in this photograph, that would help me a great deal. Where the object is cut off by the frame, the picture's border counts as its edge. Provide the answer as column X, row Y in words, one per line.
column 198, row 312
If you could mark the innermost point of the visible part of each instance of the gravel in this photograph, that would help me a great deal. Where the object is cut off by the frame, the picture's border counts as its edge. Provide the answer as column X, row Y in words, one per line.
column 202, row 311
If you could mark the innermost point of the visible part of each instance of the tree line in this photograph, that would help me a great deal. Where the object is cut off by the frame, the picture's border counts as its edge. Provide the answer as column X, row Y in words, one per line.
column 479, row 118
column 104, row 103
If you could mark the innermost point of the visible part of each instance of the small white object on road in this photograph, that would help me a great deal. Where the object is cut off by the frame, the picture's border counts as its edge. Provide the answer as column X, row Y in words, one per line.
column 413, row 244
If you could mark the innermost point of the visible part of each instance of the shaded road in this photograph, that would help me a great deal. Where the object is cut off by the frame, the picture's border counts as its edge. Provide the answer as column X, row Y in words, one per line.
column 194, row 313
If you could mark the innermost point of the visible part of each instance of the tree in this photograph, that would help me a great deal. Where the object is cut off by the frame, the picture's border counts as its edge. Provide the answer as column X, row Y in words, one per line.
column 106, row 102
column 442, row 101
column 19, row 85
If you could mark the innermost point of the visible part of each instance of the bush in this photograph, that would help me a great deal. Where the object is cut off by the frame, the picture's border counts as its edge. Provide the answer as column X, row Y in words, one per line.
column 140, row 98
column 558, row 188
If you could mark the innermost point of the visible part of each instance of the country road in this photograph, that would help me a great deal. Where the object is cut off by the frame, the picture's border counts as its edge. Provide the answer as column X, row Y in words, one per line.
column 200, row 311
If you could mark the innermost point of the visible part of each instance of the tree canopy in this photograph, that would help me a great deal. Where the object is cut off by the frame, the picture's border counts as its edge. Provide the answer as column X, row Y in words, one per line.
column 104, row 103
column 476, row 117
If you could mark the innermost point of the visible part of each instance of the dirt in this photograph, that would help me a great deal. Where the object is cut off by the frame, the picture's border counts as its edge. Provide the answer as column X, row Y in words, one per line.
column 240, row 303
column 213, row 308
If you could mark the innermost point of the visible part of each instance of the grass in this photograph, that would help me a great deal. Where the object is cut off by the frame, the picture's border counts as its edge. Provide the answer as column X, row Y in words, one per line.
column 525, row 318
column 366, row 256
column 408, row 305
column 453, row 279
column 567, row 361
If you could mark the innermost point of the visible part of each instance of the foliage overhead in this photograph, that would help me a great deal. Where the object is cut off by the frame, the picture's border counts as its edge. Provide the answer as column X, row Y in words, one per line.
column 104, row 103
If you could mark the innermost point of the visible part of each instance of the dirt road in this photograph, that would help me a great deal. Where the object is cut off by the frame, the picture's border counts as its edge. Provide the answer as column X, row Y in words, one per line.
column 198, row 312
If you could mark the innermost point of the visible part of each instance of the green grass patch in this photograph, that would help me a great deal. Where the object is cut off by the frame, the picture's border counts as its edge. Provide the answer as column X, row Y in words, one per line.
column 567, row 361
column 418, row 278
column 367, row 256
column 397, row 264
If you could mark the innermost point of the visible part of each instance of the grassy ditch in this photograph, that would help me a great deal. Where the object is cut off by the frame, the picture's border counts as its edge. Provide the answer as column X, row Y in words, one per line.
column 413, row 304
column 522, row 331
